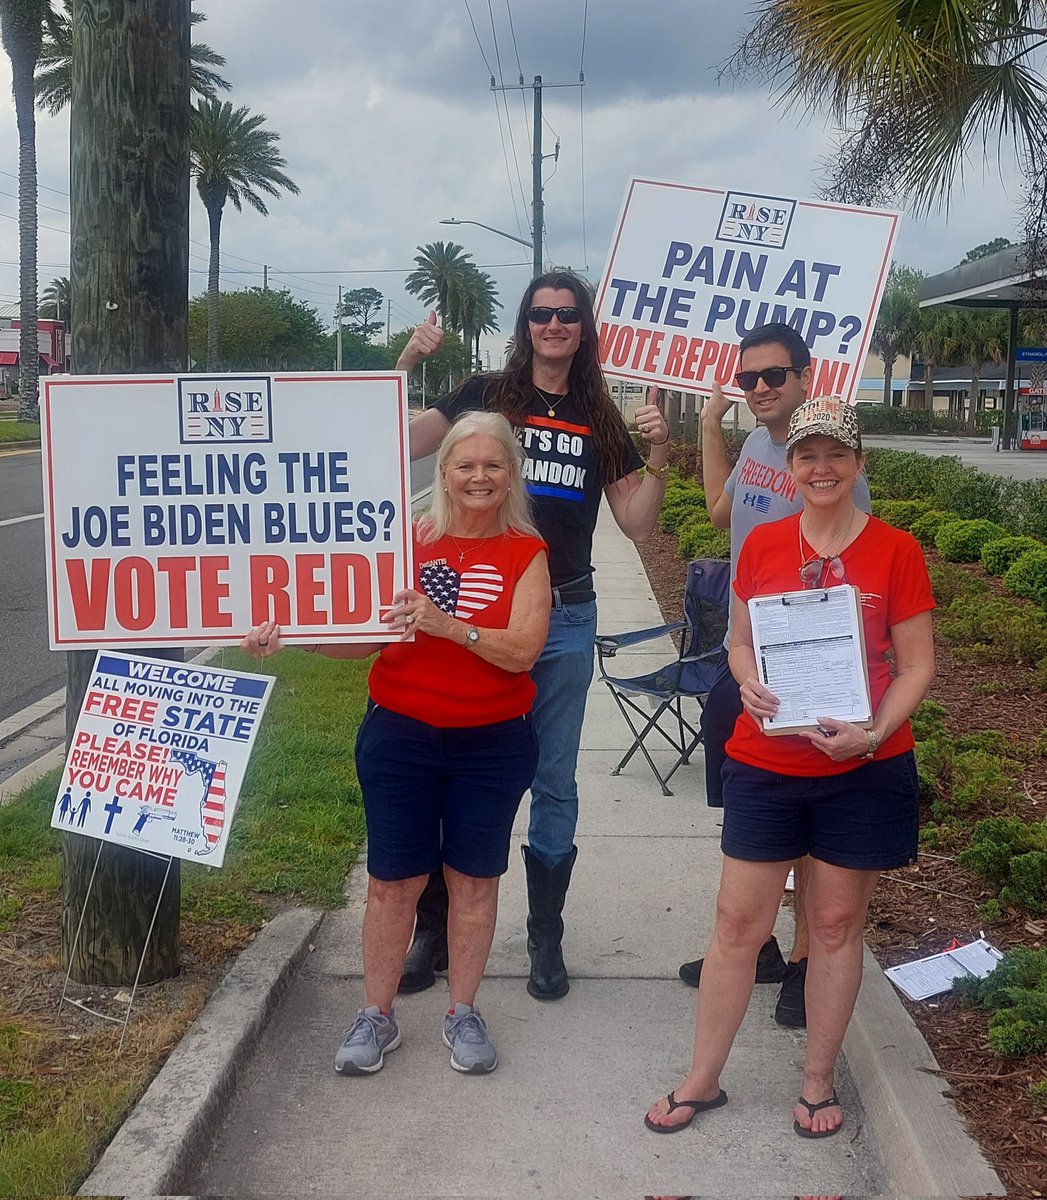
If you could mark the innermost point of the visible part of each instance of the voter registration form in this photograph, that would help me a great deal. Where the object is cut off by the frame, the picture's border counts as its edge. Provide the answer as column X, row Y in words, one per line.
column 810, row 653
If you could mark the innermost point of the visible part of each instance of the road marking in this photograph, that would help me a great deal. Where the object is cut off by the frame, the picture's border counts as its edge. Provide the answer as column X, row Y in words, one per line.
column 19, row 520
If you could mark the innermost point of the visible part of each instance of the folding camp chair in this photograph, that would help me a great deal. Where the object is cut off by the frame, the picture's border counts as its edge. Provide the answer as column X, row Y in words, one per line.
column 689, row 677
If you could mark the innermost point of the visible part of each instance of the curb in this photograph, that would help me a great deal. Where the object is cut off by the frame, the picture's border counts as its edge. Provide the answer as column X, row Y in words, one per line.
column 171, row 1127
column 924, row 1146
column 19, row 446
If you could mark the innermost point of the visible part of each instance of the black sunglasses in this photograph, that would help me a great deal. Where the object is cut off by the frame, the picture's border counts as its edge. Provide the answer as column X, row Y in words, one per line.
column 772, row 376
column 541, row 315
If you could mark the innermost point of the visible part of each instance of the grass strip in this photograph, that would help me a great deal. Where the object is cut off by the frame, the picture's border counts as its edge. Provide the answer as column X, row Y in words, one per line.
column 19, row 431
column 297, row 829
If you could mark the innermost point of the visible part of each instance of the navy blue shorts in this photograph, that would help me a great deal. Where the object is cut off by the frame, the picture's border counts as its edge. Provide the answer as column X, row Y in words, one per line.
column 434, row 796
column 866, row 819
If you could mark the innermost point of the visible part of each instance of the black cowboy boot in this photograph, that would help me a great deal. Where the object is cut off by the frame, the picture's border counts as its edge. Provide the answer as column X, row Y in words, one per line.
column 428, row 953
column 546, row 892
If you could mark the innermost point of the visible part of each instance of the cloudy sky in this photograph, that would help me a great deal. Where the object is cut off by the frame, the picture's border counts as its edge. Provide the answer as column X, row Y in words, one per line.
column 388, row 124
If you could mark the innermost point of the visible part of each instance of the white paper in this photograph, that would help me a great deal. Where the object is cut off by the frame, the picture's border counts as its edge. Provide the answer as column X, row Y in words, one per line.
column 809, row 654
column 933, row 975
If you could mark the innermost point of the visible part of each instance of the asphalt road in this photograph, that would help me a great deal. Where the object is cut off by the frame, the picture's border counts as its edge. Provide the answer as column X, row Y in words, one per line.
column 28, row 669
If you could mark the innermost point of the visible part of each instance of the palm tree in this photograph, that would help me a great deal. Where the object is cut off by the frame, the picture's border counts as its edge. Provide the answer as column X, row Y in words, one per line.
column 982, row 337
column 912, row 86
column 472, row 300
column 439, row 271
column 55, row 300
column 21, row 31
column 935, row 342
column 54, row 74
column 896, row 322
column 233, row 158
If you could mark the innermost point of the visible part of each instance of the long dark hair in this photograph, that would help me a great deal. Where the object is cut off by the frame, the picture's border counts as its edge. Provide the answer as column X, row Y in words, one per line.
column 512, row 392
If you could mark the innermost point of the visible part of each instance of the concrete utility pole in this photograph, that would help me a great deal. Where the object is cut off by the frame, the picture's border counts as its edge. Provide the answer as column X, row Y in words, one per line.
column 129, row 269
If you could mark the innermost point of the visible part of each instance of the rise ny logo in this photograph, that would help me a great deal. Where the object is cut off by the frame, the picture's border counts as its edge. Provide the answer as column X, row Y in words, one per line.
column 225, row 408
column 756, row 220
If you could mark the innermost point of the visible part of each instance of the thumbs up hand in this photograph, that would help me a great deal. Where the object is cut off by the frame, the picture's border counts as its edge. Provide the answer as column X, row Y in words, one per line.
column 426, row 339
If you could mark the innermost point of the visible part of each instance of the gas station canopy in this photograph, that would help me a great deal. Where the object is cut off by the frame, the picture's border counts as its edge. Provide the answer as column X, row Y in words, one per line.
column 1001, row 280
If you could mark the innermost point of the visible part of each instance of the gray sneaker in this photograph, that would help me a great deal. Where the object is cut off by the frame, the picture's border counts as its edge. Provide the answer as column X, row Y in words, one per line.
column 366, row 1041
column 465, row 1032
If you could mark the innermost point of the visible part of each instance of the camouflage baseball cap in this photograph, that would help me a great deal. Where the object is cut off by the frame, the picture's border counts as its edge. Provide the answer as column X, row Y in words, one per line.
column 828, row 416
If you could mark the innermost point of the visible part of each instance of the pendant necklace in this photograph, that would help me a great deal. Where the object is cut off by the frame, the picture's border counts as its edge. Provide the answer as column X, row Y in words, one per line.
column 469, row 549
column 836, row 540
column 549, row 404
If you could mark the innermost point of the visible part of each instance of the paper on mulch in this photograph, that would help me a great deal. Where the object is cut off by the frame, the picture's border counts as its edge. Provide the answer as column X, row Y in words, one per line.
column 930, row 976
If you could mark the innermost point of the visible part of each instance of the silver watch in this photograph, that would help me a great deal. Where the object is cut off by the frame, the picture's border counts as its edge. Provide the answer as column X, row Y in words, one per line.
column 472, row 635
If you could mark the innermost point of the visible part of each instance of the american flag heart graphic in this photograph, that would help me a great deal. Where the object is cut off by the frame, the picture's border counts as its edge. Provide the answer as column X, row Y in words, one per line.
column 464, row 595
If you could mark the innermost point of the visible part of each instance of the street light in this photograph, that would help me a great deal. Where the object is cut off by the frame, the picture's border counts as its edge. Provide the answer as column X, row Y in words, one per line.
column 536, row 251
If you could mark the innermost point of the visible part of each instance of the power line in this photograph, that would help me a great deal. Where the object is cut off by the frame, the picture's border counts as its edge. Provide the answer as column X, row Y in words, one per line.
column 50, row 227
column 478, row 42
column 505, row 103
column 12, row 175
column 519, row 67
column 581, row 130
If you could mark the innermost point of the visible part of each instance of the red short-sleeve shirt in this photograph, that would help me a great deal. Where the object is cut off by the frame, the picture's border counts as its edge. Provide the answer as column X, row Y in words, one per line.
column 888, row 567
column 436, row 680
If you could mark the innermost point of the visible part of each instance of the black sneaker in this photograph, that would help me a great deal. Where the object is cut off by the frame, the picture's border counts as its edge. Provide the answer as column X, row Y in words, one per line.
column 791, row 1009
column 770, row 966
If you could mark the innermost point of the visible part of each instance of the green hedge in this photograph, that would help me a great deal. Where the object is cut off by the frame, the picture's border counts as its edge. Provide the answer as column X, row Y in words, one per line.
column 1027, row 576
column 700, row 539
column 682, row 502
column 962, row 541
column 1019, row 506
column 900, row 513
column 925, row 527
column 998, row 556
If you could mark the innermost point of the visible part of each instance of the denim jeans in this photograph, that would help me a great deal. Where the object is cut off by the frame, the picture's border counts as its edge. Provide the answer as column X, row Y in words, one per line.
column 562, row 676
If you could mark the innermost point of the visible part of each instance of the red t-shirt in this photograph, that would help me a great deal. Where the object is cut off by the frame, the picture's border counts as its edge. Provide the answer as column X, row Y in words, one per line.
column 887, row 566
column 434, row 679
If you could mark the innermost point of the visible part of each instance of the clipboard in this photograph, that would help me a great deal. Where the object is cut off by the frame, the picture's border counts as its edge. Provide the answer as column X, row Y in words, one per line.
column 812, row 657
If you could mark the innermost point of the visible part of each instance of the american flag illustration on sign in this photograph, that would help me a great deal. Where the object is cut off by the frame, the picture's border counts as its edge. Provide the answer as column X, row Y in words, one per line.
column 212, row 802
column 464, row 595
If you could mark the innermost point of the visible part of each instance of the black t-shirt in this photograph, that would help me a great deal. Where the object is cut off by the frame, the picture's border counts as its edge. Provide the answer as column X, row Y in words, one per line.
column 564, row 479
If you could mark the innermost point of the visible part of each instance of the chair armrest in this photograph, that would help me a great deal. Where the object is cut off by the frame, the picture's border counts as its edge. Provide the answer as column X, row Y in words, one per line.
column 609, row 643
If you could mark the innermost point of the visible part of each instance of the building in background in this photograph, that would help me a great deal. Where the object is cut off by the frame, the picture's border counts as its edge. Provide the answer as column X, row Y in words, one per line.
column 53, row 358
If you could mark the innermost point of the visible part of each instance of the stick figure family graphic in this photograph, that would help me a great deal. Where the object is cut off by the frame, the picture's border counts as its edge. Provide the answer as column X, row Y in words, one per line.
column 75, row 814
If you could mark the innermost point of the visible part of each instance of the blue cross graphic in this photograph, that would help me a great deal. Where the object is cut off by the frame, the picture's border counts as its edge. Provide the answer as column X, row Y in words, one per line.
column 112, row 808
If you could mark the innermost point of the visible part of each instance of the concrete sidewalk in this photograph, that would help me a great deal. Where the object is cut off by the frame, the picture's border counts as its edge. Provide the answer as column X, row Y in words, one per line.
column 563, row 1114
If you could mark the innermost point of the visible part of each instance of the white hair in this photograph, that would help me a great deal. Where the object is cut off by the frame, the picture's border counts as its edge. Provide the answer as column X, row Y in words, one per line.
column 515, row 512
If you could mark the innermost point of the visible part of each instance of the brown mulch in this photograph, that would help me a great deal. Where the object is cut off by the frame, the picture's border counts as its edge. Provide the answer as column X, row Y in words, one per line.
column 919, row 910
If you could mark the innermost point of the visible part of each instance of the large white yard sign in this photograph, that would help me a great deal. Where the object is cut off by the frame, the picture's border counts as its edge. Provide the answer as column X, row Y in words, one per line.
column 182, row 510
column 692, row 269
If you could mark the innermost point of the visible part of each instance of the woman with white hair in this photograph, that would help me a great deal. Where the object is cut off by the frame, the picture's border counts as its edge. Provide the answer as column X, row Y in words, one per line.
column 447, row 747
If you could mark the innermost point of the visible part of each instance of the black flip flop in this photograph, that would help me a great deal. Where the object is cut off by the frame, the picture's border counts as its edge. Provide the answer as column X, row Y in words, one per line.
column 812, row 1109
column 696, row 1106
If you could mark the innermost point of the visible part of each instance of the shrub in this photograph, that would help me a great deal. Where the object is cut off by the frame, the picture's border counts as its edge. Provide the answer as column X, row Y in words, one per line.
column 1016, row 994
column 979, row 780
column 962, row 541
column 972, row 493
column 928, row 720
column 998, row 555
column 993, row 629
column 699, row 539
column 682, row 502
column 1012, row 857
column 1027, row 576
column 925, row 526
column 949, row 582
column 900, row 513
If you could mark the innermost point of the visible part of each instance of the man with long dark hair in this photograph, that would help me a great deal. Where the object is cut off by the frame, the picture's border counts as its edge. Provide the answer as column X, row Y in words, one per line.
column 578, row 449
